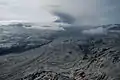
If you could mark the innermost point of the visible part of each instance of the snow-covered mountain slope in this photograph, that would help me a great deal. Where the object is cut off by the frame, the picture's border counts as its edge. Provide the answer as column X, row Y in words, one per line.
column 69, row 55
column 17, row 36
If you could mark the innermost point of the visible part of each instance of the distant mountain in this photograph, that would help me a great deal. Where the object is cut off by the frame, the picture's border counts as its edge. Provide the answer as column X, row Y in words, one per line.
column 112, row 26
column 32, row 25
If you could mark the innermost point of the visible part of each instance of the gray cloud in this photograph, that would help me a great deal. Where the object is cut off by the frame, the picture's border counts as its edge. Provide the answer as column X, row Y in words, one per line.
column 79, row 12
column 91, row 12
column 26, row 10
column 64, row 18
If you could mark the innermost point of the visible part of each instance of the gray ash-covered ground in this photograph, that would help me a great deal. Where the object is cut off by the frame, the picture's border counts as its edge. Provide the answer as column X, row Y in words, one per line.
column 63, row 55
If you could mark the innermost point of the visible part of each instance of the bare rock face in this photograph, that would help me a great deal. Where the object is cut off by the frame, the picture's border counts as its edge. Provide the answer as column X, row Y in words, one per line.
column 66, row 58
column 46, row 75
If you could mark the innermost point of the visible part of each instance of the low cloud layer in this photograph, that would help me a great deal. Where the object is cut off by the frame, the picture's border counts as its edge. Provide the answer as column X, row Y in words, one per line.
column 95, row 31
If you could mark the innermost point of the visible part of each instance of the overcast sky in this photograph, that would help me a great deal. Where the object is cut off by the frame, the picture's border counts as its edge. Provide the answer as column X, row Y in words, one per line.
column 86, row 12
